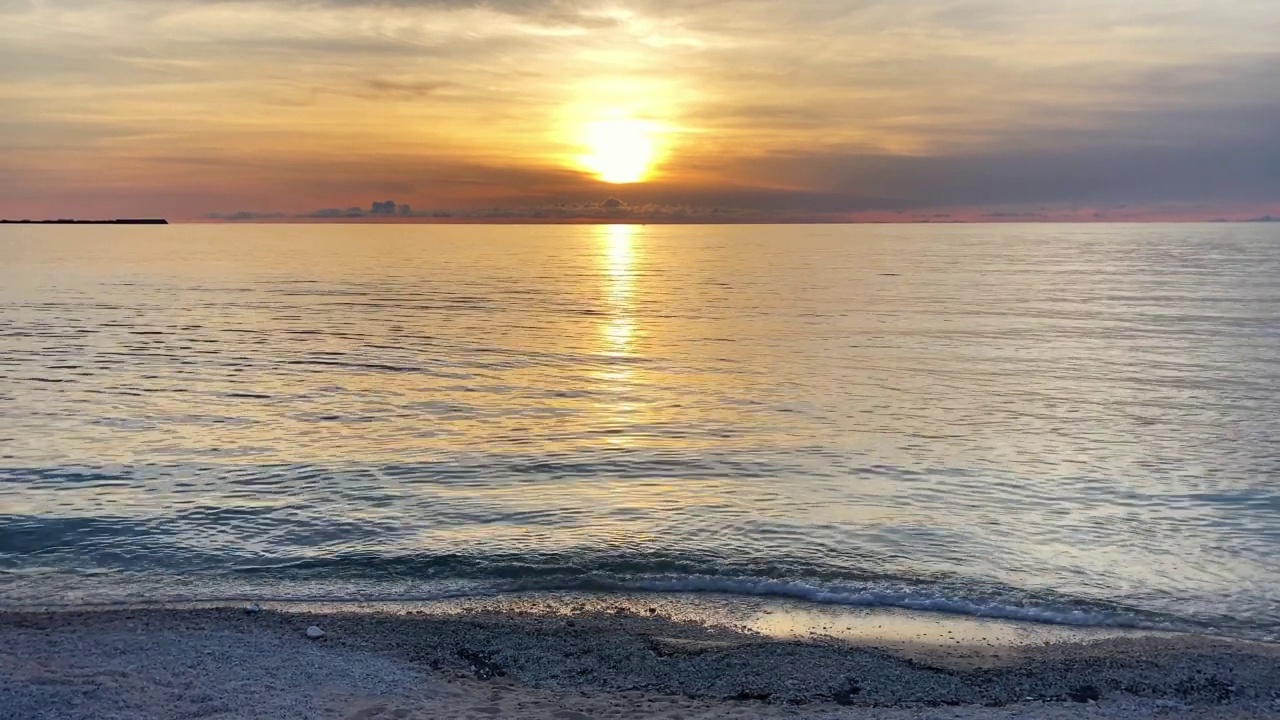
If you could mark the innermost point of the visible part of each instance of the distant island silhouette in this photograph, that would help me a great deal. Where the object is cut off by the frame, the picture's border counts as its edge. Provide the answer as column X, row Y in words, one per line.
column 64, row 221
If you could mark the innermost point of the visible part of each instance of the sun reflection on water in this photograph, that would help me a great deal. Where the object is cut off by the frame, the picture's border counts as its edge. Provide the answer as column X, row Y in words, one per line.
column 617, row 257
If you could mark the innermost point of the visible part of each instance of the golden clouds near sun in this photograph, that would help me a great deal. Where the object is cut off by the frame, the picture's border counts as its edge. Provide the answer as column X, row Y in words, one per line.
column 621, row 149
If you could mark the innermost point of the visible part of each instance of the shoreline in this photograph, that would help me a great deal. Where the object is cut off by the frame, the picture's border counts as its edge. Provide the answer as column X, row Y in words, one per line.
column 570, row 658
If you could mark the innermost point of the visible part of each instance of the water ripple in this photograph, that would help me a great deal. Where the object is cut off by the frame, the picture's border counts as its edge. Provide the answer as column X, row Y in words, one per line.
column 1069, row 424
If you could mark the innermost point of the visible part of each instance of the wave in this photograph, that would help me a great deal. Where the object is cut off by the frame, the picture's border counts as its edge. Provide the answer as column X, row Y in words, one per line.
column 909, row 600
column 426, row 577
column 452, row 576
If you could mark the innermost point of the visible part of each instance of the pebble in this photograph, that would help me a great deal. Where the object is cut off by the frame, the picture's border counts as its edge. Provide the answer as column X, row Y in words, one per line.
column 253, row 608
column 610, row 657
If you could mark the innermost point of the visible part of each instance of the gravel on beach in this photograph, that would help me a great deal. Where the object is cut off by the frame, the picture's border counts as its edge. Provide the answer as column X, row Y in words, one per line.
column 589, row 662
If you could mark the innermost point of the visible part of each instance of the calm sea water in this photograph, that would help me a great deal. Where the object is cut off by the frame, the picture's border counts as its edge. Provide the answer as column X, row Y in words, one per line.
column 1063, row 423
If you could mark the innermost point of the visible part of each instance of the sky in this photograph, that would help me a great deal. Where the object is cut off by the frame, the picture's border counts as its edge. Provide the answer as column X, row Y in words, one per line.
column 681, row 110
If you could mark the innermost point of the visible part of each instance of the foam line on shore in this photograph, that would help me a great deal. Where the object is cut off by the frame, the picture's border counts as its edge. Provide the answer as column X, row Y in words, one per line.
column 905, row 599
column 951, row 599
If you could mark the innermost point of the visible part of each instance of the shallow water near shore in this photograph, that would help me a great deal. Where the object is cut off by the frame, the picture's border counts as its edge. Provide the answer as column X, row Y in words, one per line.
column 941, row 639
column 1064, row 424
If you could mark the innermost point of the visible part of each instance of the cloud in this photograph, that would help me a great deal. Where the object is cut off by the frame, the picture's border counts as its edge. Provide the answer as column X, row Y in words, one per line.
column 774, row 106
column 999, row 215
column 336, row 213
column 377, row 210
column 244, row 216
column 411, row 88
column 1098, row 170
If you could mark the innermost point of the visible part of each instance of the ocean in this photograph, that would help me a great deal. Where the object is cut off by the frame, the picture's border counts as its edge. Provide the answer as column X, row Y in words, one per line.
column 1071, row 424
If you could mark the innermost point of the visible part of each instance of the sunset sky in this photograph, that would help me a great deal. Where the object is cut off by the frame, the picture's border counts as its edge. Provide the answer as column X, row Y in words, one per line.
column 751, row 109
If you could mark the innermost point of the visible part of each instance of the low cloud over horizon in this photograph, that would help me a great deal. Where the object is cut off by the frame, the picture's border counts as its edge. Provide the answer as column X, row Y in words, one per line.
column 765, row 110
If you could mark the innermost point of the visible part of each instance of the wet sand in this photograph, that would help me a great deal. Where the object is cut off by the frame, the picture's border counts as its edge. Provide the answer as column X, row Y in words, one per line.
column 578, row 658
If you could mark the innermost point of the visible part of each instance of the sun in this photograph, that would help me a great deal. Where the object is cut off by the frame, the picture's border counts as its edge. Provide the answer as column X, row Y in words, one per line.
column 620, row 150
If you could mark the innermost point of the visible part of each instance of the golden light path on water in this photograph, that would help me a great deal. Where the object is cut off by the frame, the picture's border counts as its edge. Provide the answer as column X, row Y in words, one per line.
column 617, row 257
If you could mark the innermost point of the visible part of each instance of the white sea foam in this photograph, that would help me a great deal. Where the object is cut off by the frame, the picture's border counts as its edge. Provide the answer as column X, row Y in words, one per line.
column 950, row 599
column 924, row 599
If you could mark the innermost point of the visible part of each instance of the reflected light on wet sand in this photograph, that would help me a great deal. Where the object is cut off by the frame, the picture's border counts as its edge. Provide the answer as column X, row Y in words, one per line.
column 955, row 640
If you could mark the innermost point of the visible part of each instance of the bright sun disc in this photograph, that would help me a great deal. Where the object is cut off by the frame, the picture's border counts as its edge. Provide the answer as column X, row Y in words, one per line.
column 621, row 150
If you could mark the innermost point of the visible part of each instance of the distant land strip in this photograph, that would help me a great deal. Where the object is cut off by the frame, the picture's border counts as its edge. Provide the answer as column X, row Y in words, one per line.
column 117, row 221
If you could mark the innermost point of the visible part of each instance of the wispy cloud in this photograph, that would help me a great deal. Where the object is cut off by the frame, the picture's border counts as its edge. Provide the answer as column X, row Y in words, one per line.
column 802, row 105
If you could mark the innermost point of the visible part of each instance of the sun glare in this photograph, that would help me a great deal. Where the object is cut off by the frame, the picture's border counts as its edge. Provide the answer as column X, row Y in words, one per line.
column 621, row 150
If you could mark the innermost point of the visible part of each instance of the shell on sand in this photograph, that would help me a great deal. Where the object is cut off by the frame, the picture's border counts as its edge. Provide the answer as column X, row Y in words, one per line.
column 314, row 632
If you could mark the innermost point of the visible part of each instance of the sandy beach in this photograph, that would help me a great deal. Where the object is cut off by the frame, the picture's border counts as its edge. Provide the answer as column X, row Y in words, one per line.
column 638, row 658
